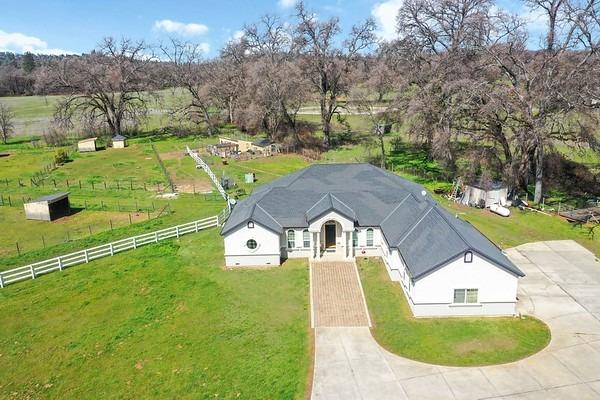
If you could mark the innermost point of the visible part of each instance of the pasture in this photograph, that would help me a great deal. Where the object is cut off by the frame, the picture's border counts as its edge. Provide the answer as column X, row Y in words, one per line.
column 161, row 321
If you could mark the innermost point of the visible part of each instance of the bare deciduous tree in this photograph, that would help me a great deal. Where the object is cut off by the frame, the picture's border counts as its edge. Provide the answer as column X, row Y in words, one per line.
column 7, row 125
column 110, row 86
column 326, row 64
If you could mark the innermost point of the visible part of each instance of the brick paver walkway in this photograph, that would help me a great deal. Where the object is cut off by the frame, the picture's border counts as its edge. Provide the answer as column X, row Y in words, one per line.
column 337, row 297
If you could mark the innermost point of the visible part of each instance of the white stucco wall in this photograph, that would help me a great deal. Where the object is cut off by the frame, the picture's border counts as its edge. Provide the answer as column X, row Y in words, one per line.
column 298, row 250
column 369, row 251
column 86, row 146
column 497, row 289
column 315, row 225
column 238, row 254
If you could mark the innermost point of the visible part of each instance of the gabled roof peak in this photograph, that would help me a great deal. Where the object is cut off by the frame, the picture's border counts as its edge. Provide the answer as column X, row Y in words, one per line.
column 329, row 202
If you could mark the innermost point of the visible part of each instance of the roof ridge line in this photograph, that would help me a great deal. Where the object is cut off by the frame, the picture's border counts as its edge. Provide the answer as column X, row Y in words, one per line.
column 415, row 225
column 395, row 208
column 266, row 212
column 453, row 228
column 346, row 205
column 317, row 202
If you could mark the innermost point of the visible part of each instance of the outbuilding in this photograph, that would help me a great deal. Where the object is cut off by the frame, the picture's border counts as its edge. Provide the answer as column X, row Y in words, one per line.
column 332, row 212
column 87, row 145
column 119, row 142
column 48, row 208
column 484, row 195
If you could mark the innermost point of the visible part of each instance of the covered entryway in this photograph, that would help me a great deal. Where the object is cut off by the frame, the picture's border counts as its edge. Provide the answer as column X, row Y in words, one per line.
column 331, row 237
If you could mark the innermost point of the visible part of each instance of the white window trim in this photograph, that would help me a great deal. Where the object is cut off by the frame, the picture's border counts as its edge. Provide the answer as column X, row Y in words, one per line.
column 372, row 231
column 465, row 303
column 254, row 249
column 287, row 237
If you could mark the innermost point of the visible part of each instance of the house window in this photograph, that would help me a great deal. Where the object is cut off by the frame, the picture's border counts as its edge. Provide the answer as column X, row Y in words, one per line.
column 370, row 237
column 306, row 238
column 465, row 296
column 291, row 239
column 355, row 238
column 469, row 257
column 251, row 244
column 250, row 225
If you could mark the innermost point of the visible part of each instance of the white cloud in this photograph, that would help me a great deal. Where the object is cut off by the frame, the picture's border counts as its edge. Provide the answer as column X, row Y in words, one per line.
column 287, row 3
column 180, row 28
column 205, row 47
column 385, row 16
column 236, row 36
column 20, row 43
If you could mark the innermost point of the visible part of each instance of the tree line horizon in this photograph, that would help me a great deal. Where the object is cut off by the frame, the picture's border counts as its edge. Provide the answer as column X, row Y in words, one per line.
column 461, row 73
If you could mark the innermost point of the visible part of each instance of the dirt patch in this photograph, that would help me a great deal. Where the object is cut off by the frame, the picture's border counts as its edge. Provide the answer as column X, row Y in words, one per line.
column 485, row 345
column 191, row 185
column 172, row 155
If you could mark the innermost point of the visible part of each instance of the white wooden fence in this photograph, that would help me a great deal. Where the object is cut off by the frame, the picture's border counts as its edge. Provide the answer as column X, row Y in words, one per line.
column 34, row 270
column 200, row 163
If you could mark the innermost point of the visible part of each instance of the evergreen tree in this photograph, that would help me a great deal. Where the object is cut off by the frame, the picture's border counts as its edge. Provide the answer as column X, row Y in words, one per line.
column 28, row 62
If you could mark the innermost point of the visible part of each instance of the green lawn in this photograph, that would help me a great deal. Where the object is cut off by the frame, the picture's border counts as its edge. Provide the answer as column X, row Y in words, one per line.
column 164, row 321
column 523, row 227
column 445, row 341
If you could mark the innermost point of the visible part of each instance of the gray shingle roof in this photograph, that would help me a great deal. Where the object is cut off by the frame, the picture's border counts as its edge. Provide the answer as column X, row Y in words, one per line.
column 426, row 235
column 329, row 203
column 51, row 198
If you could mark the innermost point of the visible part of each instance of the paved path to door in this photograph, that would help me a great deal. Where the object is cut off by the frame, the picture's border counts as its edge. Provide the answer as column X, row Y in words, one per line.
column 337, row 296
column 562, row 287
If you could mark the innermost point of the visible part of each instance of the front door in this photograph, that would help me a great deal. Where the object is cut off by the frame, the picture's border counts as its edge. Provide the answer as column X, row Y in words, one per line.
column 329, row 236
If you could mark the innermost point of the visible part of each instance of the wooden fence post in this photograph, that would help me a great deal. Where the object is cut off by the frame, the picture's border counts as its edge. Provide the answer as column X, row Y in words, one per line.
column 1, row 281
column 18, row 249
column 177, row 231
column 196, row 224
column 60, row 264
column 112, row 250
column 85, row 253
column 32, row 272
column 156, row 237
column 134, row 243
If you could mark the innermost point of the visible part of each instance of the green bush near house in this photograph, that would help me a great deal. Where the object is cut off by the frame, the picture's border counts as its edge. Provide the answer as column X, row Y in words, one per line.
column 445, row 341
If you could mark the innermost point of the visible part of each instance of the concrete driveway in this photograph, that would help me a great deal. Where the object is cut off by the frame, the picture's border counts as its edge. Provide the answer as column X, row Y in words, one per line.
column 562, row 287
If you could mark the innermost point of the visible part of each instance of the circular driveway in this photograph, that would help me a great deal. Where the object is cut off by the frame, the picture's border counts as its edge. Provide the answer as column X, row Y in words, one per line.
column 561, row 287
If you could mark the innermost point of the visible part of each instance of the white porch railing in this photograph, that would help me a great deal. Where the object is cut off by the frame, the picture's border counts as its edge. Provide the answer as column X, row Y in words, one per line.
column 59, row 263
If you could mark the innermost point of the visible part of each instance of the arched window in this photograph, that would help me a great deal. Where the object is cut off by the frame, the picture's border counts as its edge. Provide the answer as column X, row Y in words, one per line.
column 291, row 239
column 250, row 224
column 469, row 257
column 306, row 238
column 355, row 238
column 251, row 244
column 370, row 237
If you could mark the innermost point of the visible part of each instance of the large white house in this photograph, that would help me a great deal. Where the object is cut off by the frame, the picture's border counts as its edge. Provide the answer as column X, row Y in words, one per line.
column 342, row 211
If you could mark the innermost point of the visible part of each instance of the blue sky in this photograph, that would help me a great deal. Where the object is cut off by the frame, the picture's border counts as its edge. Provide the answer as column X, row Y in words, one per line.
column 58, row 26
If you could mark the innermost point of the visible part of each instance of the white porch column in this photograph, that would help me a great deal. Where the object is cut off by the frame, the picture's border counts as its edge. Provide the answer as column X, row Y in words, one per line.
column 348, row 245
column 318, row 245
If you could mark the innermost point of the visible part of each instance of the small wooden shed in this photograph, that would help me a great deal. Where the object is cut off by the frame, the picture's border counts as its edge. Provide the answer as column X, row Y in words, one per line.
column 87, row 145
column 119, row 142
column 48, row 208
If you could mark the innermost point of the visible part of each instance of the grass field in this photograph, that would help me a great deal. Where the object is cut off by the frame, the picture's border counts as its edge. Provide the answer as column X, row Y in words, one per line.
column 445, row 341
column 523, row 227
column 165, row 321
